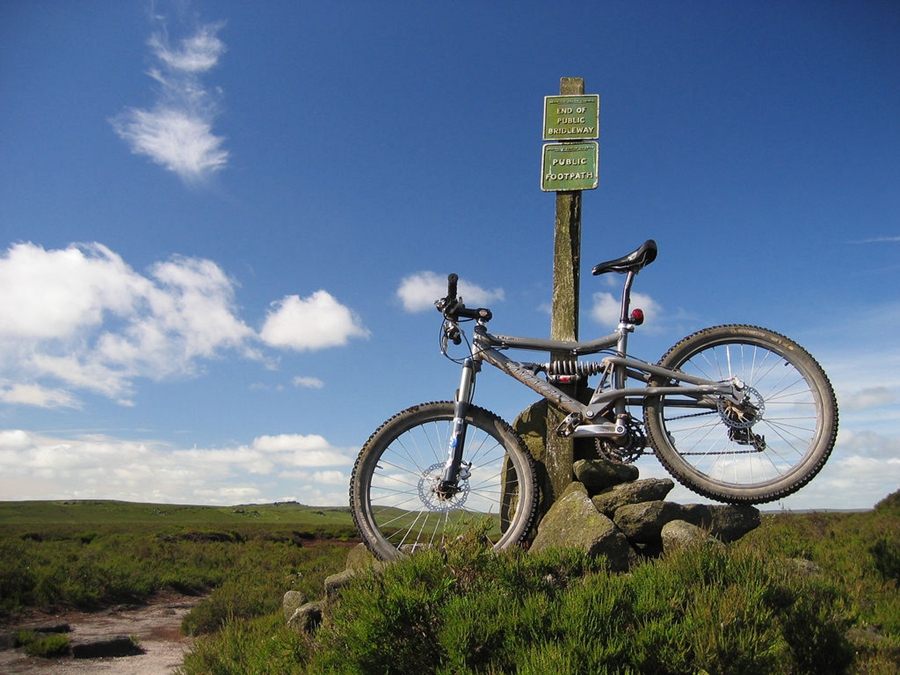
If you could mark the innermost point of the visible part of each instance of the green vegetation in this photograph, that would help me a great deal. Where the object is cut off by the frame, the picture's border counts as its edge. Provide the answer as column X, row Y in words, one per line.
column 47, row 647
column 100, row 512
column 91, row 554
column 805, row 593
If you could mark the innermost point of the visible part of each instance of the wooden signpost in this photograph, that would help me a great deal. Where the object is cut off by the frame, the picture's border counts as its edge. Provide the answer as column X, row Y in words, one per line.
column 571, row 117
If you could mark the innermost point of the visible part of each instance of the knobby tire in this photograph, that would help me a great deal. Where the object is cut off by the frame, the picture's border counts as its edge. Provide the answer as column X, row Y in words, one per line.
column 392, row 496
column 753, row 455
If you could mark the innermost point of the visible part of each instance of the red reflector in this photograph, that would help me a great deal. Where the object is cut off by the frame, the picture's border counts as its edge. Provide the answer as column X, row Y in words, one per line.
column 637, row 317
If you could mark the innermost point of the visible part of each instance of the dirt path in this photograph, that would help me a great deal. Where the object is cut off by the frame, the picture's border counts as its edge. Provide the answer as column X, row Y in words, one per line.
column 157, row 627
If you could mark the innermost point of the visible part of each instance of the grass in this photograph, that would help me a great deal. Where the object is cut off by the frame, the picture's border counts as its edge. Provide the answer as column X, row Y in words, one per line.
column 804, row 593
column 92, row 554
column 107, row 512
column 48, row 647
column 462, row 611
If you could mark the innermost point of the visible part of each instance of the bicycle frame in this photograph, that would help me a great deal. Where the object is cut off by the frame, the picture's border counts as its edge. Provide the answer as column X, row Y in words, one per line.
column 591, row 420
column 616, row 399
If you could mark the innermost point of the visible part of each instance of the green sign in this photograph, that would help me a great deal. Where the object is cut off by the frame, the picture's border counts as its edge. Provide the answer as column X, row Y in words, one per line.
column 572, row 118
column 570, row 166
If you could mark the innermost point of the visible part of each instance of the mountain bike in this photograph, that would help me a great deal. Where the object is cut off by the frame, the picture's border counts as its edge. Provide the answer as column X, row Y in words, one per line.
column 736, row 413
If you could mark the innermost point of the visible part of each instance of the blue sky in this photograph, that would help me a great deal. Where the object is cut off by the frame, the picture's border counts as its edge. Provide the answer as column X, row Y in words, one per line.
column 221, row 221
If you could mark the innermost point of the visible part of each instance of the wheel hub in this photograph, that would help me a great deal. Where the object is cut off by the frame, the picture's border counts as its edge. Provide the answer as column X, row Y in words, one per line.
column 441, row 498
column 743, row 414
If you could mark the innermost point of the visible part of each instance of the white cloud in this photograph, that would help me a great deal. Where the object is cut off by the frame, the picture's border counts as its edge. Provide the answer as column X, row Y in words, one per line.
column 53, row 318
column 197, row 53
column 867, row 444
column 418, row 292
column 606, row 308
column 81, row 319
column 870, row 397
column 308, row 382
column 330, row 478
column 315, row 322
column 290, row 443
column 48, row 294
column 877, row 240
column 36, row 466
column 36, row 395
column 296, row 450
column 177, row 132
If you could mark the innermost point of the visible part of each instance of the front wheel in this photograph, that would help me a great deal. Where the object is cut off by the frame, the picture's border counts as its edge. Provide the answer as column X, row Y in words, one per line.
column 394, row 490
column 761, row 448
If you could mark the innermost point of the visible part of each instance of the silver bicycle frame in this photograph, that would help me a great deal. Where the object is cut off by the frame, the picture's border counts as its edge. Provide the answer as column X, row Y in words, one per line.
column 485, row 347
column 585, row 420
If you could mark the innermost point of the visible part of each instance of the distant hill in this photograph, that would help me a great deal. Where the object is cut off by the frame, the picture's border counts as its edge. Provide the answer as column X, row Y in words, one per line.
column 98, row 512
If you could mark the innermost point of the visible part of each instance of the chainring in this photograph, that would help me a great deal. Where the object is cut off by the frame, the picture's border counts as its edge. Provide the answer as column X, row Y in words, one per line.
column 627, row 450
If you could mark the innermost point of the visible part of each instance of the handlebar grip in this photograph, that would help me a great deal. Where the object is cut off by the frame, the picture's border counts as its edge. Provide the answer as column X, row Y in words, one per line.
column 451, row 285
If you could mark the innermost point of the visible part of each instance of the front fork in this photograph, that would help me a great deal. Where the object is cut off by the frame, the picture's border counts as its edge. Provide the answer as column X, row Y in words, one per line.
column 454, row 471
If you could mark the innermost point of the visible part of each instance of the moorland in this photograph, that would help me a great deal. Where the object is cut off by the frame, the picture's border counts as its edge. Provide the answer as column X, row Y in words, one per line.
column 804, row 593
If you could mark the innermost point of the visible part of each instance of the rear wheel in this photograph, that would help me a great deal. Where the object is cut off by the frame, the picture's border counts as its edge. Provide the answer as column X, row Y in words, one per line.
column 759, row 449
column 394, row 490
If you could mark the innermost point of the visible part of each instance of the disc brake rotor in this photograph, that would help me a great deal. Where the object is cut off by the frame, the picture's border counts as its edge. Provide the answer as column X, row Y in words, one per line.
column 745, row 414
column 436, row 500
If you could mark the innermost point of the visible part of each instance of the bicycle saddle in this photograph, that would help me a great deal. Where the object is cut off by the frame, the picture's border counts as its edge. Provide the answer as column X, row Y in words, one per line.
column 634, row 261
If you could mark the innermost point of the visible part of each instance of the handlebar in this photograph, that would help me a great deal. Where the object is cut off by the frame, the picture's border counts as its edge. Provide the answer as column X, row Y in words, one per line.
column 451, row 285
column 452, row 307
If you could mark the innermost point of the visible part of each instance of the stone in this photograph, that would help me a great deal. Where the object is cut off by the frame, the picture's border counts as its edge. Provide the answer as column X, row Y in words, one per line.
column 803, row 567
column 531, row 427
column 599, row 474
column 697, row 514
column 335, row 582
column 291, row 601
column 678, row 534
column 306, row 619
column 360, row 557
column 573, row 521
column 646, row 490
column 121, row 645
column 730, row 523
column 726, row 522
column 643, row 522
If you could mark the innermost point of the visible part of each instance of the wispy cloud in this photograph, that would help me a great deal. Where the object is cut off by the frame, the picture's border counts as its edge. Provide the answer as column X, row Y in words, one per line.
column 308, row 382
column 877, row 240
column 82, row 320
column 177, row 132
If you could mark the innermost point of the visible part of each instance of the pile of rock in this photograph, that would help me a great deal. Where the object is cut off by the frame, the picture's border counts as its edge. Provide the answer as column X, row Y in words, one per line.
column 608, row 511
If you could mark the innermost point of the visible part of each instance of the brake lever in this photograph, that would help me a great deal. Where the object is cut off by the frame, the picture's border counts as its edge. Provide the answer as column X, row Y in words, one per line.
column 451, row 334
